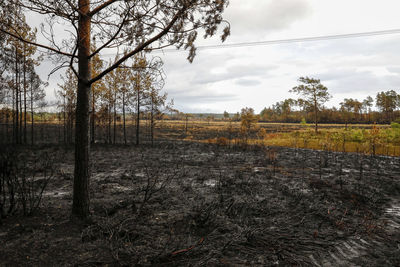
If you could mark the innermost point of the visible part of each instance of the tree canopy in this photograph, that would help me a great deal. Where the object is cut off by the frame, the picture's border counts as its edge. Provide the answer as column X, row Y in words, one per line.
column 313, row 94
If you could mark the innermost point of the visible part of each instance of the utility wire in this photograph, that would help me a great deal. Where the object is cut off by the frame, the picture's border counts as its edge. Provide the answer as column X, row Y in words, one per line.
column 305, row 39
column 281, row 41
column 294, row 40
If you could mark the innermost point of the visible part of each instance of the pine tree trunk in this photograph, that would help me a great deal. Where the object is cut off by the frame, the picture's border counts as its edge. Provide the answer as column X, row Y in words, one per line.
column 115, row 118
column 13, row 113
column 316, row 116
column 20, row 111
column 32, row 138
column 137, row 117
column 65, row 122
column 123, row 115
column 109, row 123
column 92, row 121
column 24, row 96
column 152, row 125
column 16, row 126
column 80, row 205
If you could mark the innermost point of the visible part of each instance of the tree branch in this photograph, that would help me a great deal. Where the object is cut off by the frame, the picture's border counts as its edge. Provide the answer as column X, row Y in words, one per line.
column 112, row 38
column 101, row 7
column 36, row 44
column 140, row 47
column 73, row 7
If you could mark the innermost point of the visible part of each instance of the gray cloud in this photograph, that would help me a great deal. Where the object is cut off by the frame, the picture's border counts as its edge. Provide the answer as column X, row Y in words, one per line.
column 233, row 73
column 204, row 97
column 193, row 98
column 262, row 16
column 394, row 69
column 248, row 82
column 350, row 80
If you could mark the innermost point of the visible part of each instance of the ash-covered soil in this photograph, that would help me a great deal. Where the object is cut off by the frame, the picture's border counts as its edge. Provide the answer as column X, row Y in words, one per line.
column 190, row 204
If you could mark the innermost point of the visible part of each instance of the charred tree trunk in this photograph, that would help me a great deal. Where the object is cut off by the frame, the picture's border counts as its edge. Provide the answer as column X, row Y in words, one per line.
column 80, row 205
column 20, row 110
column 137, row 112
column 152, row 125
column 115, row 117
column 25, row 137
column 7, row 129
column 16, row 126
column 14, row 88
column 32, row 120
column 316, row 116
column 109, row 124
column 123, row 115
column 92, row 121
column 65, row 122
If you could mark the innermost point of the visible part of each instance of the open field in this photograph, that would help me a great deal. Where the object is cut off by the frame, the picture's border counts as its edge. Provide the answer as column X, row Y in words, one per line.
column 193, row 204
column 360, row 138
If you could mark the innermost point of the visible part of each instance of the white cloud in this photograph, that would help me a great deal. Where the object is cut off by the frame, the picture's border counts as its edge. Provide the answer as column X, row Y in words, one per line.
column 229, row 79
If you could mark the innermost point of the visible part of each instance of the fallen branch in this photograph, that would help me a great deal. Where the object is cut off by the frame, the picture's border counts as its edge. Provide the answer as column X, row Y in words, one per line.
column 187, row 249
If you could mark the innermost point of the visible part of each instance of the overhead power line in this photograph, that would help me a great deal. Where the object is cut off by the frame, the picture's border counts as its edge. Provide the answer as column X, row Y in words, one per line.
column 282, row 41
column 293, row 40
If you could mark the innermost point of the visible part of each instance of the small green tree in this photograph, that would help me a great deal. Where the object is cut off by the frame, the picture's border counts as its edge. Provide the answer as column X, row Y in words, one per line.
column 387, row 102
column 247, row 123
column 226, row 115
column 367, row 104
column 347, row 108
column 314, row 95
column 236, row 117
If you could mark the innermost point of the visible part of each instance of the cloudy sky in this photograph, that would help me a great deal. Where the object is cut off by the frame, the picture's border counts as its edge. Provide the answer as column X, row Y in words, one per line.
column 232, row 78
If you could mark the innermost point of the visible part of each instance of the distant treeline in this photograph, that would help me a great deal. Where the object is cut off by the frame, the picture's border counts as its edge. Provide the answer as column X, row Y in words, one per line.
column 349, row 111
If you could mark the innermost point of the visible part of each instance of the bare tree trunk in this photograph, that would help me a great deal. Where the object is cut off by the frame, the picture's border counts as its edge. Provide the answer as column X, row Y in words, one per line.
column 16, row 126
column 20, row 110
column 92, row 121
column 69, row 124
column 316, row 116
column 152, row 125
column 80, row 205
column 115, row 117
column 13, row 112
column 65, row 122
column 123, row 115
column 137, row 123
column 59, row 127
column 109, row 124
column 32, row 139
column 7, row 129
column 137, row 113
column 186, row 123
column 24, row 96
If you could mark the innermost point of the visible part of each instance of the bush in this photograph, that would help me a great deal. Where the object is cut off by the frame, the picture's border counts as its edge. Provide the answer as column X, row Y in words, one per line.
column 395, row 125
column 23, row 181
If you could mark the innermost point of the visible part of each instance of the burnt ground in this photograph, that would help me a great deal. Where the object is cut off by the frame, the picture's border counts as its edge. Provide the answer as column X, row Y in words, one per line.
column 191, row 204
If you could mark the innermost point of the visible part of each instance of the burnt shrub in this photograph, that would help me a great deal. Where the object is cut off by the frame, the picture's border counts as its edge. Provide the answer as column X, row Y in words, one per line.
column 23, row 179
